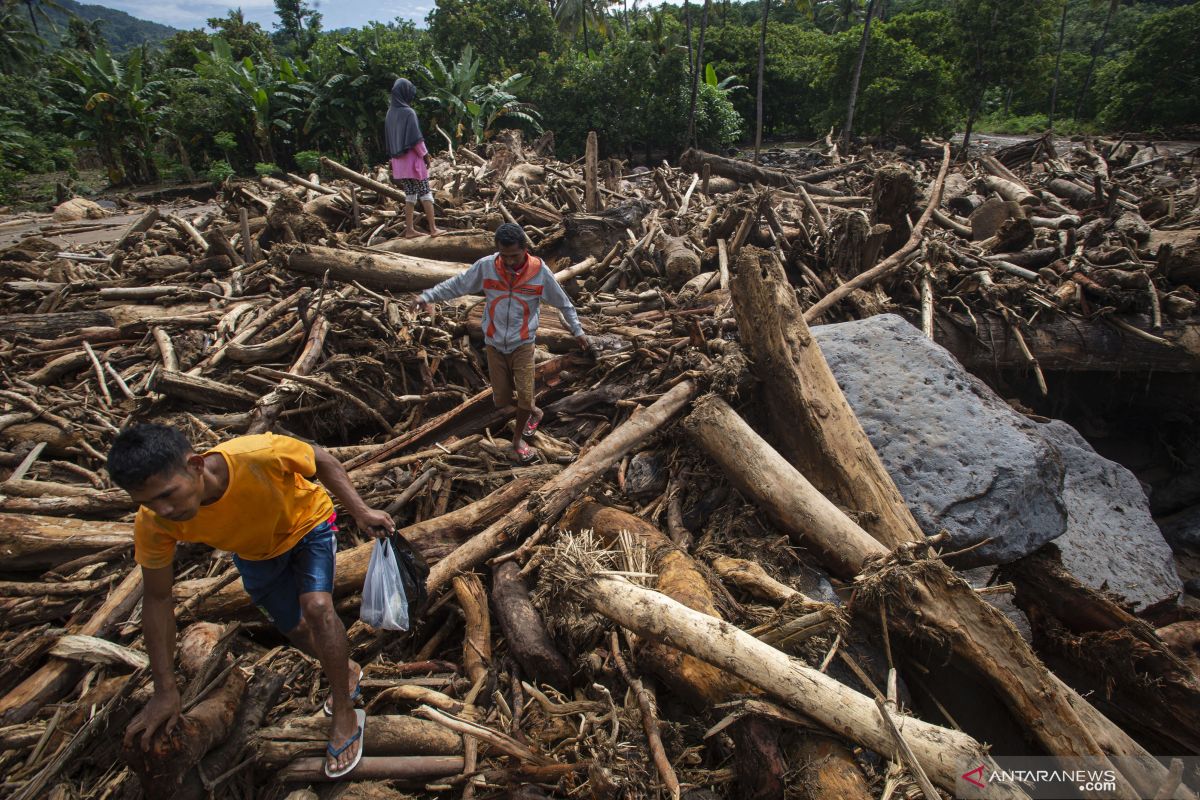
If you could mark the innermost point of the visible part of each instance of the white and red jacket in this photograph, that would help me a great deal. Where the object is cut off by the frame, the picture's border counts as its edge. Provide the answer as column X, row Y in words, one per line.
column 511, row 310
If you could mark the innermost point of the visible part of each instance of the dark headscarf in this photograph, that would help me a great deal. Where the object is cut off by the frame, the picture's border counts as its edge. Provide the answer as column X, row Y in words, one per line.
column 401, row 128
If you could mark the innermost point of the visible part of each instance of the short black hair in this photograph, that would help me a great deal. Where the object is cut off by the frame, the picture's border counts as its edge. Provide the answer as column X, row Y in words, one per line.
column 146, row 450
column 510, row 233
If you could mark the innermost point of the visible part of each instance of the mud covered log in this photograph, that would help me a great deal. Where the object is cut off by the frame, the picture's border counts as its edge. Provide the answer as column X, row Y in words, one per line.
column 1077, row 196
column 679, row 578
column 161, row 769
column 455, row 246
column 379, row 270
column 30, row 542
column 529, row 643
column 679, row 259
column 400, row 735
column 1069, row 344
column 1108, row 653
column 829, row 769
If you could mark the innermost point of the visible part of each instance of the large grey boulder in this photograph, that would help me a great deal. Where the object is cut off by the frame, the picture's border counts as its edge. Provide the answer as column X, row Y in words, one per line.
column 967, row 463
column 1111, row 542
column 962, row 458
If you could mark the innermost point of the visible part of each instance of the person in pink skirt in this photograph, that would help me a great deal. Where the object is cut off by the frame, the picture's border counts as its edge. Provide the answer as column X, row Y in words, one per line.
column 410, row 157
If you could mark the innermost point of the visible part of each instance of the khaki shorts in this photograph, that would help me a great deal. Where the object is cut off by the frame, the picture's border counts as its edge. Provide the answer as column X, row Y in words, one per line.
column 509, row 372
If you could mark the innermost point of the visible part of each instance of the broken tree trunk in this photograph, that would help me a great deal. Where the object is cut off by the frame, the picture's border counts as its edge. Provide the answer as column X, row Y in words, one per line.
column 811, row 423
column 363, row 181
column 935, row 604
column 1111, row 655
column 261, row 696
column 380, row 270
column 560, row 491
column 31, row 542
column 161, row 768
column 56, row 678
column 940, row 751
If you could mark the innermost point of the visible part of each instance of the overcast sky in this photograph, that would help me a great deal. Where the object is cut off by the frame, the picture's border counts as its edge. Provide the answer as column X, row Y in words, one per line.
column 337, row 13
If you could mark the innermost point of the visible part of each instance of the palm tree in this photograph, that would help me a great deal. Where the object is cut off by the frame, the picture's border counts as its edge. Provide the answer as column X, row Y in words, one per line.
column 18, row 44
column 696, row 74
column 1097, row 48
column 38, row 8
column 858, row 64
column 762, row 64
column 1062, row 29
column 574, row 15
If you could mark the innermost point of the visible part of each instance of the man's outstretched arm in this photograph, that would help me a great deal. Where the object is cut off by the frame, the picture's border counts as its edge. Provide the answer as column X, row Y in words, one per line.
column 158, row 628
column 333, row 477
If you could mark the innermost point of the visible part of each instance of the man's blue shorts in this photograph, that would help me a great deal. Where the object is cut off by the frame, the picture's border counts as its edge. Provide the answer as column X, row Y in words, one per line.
column 275, row 584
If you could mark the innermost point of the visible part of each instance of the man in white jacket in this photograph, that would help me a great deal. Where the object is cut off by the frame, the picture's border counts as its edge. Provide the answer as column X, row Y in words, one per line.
column 513, row 283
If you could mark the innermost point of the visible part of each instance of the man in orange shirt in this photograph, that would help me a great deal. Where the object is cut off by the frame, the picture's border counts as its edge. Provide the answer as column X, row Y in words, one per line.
column 253, row 497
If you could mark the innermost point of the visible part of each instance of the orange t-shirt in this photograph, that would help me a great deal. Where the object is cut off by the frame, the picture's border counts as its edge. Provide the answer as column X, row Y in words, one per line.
column 267, row 507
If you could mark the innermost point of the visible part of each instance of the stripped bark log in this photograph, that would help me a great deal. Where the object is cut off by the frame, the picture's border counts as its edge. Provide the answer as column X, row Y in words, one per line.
column 812, row 425
column 678, row 578
column 453, row 246
column 412, row 771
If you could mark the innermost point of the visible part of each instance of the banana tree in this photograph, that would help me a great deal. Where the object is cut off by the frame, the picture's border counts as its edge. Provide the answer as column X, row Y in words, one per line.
column 472, row 111
column 349, row 98
column 113, row 107
column 19, row 45
column 269, row 95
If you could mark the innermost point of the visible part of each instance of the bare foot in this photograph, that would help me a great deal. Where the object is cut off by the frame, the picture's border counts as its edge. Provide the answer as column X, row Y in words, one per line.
column 410, row 233
column 435, row 232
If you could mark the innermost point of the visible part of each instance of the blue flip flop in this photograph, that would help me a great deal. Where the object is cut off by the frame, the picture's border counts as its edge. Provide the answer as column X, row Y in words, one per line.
column 335, row 752
column 328, row 706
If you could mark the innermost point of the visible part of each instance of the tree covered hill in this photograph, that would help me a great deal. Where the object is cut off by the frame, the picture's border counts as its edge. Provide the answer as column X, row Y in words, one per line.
column 122, row 31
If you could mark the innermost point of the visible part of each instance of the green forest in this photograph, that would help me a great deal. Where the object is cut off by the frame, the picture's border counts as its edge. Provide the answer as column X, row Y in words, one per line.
column 236, row 98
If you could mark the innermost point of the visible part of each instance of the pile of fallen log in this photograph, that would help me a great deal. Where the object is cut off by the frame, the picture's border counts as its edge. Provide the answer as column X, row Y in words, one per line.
column 625, row 617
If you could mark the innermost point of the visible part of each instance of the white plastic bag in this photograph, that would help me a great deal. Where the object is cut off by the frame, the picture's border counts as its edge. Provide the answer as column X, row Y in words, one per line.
column 384, row 604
